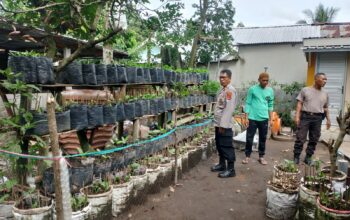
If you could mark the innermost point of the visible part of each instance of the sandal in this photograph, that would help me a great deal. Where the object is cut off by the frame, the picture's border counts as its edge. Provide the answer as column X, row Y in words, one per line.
column 262, row 161
column 246, row 160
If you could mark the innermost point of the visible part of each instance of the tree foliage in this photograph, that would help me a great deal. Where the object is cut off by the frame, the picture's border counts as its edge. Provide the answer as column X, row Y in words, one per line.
column 321, row 14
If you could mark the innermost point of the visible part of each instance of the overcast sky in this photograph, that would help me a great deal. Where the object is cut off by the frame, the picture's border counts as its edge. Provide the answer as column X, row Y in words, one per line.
column 274, row 12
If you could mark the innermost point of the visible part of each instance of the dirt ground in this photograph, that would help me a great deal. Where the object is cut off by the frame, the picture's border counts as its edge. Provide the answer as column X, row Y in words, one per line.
column 202, row 195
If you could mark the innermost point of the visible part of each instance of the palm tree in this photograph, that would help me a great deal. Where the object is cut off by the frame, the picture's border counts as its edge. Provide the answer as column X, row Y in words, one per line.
column 320, row 15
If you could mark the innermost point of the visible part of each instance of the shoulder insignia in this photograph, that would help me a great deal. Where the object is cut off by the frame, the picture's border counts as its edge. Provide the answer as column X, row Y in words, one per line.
column 228, row 95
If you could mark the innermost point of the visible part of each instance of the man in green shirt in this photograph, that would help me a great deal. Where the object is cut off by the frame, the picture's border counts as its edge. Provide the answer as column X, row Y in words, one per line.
column 259, row 106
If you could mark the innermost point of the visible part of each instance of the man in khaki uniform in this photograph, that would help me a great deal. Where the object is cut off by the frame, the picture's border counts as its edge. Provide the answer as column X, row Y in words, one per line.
column 225, row 106
column 312, row 108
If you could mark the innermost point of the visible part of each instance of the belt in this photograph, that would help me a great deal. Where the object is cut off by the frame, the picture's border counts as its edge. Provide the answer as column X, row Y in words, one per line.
column 312, row 113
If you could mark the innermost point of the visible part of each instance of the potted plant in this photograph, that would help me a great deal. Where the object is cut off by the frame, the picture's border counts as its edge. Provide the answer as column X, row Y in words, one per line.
column 99, row 195
column 101, row 74
column 138, row 174
column 129, row 107
column 72, row 74
column 78, row 115
column 33, row 206
column 102, row 166
column 25, row 64
column 81, row 207
column 8, row 196
column 109, row 113
column 282, row 191
column 95, row 114
column 81, row 171
column 112, row 74
column 333, row 206
column 122, row 75
column 89, row 73
column 44, row 68
column 122, row 187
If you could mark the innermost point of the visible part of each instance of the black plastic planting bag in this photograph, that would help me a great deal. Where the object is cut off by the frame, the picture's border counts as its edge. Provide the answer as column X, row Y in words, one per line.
column 73, row 74
column 101, row 74
column 129, row 155
column 167, row 75
column 24, row 65
column 112, row 75
column 122, row 75
column 139, row 75
column 95, row 116
column 131, row 74
column 154, row 75
column 82, row 175
column 89, row 74
column 147, row 75
column 102, row 168
column 109, row 114
column 161, row 105
column 174, row 103
column 78, row 116
column 145, row 107
column 153, row 105
column 161, row 77
column 129, row 109
column 44, row 69
column 173, row 77
column 138, row 109
column 48, row 180
column 117, row 161
column 167, row 104
column 40, row 122
column 63, row 121
column 120, row 114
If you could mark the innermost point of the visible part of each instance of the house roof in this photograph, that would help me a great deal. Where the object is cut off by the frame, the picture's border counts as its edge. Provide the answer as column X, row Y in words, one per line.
column 275, row 34
column 17, row 42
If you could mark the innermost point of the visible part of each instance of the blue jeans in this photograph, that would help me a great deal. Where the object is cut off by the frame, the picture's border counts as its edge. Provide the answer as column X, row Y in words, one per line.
column 262, row 126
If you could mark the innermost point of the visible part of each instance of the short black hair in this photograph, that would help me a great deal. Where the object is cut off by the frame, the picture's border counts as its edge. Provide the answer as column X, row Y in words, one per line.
column 319, row 74
column 228, row 72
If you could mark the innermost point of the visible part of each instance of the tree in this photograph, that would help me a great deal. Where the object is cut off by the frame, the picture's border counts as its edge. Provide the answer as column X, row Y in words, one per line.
column 320, row 15
column 240, row 24
column 213, row 22
column 81, row 19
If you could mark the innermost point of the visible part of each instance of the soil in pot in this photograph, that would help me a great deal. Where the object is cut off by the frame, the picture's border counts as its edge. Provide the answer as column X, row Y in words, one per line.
column 101, row 74
column 131, row 74
column 120, row 114
column 129, row 110
column 89, row 74
column 121, row 75
column 112, row 74
column 78, row 116
column 44, row 69
column 109, row 114
column 95, row 115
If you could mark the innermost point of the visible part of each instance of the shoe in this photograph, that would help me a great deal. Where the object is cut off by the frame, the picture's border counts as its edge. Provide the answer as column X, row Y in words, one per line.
column 308, row 160
column 218, row 168
column 227, row 173
column 296, row 160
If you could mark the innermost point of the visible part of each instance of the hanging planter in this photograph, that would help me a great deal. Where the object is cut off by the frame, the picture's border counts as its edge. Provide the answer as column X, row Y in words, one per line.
column 122, row 75
column 129, row 109
column 120, row 114
column 100, row 196
column 101, row 74
column 33, row 207
column 112, row 74
column 109, row 114
column 89, row 74
column 44, row 68
column 154, row 75
column 73, row 74
column 131, row 74
column 95, row 116
column 102, row 166
column 153, row 104
column 147, row 75
column 81, row 172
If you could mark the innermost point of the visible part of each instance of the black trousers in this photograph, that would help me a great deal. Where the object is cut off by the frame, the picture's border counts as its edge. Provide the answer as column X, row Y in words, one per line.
column 263, row 127
column 308, row 124
column 224, row 146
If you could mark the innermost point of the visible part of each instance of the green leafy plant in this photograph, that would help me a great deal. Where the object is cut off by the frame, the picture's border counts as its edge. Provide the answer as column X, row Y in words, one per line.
column 334, row 201
column 100, row 187
column 6, row 190
column 210, row 87
column 78, row 202
column 288, row 166
column 119, row 142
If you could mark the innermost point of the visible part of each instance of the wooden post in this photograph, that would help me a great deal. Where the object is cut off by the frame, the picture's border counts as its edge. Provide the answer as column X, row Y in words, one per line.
column 61, row 211
column 136, row 129
column 201, row 109
column 176, row 149
column 5, row 100
column 120, row 129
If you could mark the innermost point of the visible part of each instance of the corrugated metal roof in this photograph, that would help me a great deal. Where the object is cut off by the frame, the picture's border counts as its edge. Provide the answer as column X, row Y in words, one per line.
column 274, row 35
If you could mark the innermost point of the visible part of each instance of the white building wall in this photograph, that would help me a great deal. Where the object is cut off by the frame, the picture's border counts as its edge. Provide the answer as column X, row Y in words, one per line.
column 286, row 63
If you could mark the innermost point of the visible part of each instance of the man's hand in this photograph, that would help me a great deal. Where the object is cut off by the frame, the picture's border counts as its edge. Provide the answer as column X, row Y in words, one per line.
column 328, row 124
column 271, row 123
column 221, row 130
column 297, row 120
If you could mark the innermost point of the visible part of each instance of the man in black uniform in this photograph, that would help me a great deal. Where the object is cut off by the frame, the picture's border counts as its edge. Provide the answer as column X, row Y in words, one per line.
column 225, row 106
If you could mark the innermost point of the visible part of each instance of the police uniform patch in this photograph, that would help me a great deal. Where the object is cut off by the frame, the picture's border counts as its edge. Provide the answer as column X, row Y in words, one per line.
column 228, row 95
